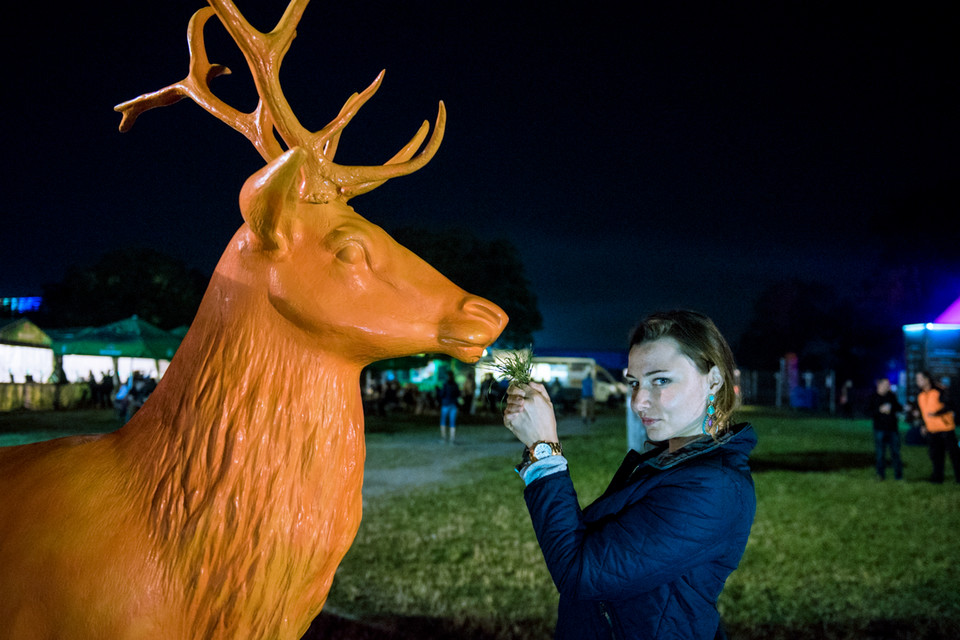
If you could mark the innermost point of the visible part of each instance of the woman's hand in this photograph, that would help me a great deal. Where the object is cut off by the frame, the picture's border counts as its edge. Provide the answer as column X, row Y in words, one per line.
column 529, row 414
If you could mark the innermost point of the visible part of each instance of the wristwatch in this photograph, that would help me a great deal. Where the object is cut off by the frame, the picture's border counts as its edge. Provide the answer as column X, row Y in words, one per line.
column 540, row 450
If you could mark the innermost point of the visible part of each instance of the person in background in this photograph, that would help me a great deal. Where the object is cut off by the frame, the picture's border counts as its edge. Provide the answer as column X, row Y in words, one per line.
column 938, row 425
column 121, row 400
column 649, row 558
column 845, row 401
column 138, row 394
column 487, row 391
column 554, row 389
column 449, row 403
column 587, row 401
column 469, row 391
column 884, row 410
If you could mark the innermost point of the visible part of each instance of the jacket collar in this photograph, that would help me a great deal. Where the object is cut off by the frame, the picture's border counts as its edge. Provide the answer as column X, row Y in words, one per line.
column 741, row 434
column 739, row 438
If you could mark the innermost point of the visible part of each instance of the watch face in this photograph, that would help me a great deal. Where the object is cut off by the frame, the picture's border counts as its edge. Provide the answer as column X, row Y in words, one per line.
column 542, row 450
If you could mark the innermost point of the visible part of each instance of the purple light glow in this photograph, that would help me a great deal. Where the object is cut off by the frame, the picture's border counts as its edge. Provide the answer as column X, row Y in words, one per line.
column 951, row 315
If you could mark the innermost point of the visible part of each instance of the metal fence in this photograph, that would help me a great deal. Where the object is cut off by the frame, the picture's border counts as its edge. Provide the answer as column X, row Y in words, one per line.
column 817, row 391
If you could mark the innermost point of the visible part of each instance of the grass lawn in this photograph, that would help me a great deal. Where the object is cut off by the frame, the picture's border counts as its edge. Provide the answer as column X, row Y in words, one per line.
column 833, row 553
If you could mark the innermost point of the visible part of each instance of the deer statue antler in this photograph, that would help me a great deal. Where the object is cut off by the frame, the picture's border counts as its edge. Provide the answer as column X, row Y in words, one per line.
column 322, row 179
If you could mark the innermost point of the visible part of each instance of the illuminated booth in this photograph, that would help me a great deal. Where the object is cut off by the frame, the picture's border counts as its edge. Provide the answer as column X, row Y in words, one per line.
column 124, row 347
column 934, row 347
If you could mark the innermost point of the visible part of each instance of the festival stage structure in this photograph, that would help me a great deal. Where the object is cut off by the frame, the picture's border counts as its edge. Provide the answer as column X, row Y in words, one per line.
column 222, row 509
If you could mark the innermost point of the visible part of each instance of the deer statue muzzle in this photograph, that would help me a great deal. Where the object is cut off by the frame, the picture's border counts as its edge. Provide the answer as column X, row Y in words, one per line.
column 223, row 507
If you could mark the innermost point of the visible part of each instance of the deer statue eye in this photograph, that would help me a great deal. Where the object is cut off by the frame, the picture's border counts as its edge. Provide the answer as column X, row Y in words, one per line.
column 351, row 253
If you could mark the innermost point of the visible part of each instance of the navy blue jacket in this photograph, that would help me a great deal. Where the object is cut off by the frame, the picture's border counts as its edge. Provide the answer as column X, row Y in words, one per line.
column 649, row 558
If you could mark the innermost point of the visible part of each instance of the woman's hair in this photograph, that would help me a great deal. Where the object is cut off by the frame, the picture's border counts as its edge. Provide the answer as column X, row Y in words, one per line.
column 699, row 339
column 934, row 383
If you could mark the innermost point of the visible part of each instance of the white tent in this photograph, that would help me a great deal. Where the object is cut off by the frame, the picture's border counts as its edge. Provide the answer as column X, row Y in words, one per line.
column 25, row 352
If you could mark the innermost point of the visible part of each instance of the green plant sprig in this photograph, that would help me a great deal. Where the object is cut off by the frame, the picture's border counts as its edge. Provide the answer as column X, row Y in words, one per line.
column 516, row 366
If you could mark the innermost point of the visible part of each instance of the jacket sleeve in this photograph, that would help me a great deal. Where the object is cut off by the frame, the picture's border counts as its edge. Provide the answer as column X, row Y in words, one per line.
column 679, row 524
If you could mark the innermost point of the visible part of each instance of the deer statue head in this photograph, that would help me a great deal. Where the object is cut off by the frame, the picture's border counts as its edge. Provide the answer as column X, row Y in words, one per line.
column 377, row 299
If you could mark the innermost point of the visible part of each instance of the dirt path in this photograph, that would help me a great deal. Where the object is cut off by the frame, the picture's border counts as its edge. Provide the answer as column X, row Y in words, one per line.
column 400, row 461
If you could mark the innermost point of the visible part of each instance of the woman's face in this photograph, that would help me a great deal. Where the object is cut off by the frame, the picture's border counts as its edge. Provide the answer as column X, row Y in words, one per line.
column 922, row 381
column 669, row 393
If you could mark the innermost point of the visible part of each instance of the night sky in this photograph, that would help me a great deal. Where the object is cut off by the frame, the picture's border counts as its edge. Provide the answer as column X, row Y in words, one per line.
column 685, row 154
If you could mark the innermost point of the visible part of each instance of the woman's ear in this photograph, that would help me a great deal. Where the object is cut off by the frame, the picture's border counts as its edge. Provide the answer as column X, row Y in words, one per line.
column 715, row 379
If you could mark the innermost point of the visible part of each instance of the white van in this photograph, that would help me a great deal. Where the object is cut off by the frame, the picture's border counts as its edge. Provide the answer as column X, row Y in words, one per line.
column 563, row 377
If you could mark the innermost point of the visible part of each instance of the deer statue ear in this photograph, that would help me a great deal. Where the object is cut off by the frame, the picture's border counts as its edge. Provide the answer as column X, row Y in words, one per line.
column 270, row 195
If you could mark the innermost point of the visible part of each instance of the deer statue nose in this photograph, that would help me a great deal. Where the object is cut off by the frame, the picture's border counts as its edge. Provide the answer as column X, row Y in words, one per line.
column 485, row 310
column 475, row 325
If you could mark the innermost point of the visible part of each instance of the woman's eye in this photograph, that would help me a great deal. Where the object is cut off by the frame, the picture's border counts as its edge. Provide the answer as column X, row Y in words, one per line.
column 659, row 382
column 351, row 253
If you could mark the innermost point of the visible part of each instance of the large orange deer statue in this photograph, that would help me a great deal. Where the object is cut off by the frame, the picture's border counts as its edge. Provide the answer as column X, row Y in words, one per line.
column 222, row 509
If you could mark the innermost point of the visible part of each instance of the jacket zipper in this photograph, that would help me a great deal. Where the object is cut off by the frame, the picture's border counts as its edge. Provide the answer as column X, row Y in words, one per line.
column 606, row 616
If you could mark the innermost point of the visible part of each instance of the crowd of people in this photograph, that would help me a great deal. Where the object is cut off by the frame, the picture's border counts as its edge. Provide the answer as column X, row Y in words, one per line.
column 390, row 396
column 450, row 399
column 125, row 398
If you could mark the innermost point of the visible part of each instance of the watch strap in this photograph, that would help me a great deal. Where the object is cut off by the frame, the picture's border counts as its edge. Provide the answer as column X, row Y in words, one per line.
column 524, row 462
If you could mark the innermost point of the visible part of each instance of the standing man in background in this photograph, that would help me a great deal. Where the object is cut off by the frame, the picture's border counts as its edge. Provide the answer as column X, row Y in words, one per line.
column 884, row 409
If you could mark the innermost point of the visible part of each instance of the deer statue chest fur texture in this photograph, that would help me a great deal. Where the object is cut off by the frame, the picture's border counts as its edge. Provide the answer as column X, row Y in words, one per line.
column 222, row 509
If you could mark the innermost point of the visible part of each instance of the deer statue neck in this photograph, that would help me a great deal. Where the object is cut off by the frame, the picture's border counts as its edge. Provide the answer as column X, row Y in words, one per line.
column 251, row 448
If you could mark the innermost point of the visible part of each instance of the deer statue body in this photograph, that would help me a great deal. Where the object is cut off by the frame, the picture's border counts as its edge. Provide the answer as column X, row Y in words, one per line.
column 222, row 509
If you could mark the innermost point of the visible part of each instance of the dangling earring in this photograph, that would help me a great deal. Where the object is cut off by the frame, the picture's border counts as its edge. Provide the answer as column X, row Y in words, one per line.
column 711, row 411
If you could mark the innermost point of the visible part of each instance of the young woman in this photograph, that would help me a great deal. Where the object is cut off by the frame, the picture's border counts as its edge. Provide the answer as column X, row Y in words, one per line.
column 650, row 557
